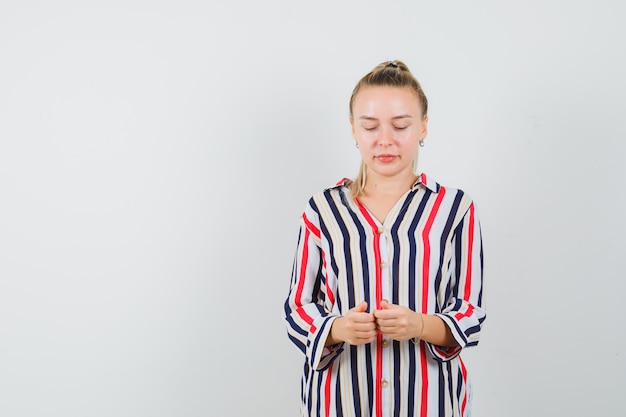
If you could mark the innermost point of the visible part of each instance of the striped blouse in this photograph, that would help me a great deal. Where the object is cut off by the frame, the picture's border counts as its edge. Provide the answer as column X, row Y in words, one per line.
column 426, row 255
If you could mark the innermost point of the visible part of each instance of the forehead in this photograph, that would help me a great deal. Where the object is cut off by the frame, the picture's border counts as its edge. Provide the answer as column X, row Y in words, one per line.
column 386, row 101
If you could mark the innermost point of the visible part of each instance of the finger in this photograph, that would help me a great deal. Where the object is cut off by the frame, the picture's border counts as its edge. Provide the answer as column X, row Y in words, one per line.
column 363, row 318
column 365, row 337
column 361, row 308
column 366, row 334
column 386, row 321
column 360, row 327
column 366, row 327
column 363, row 341
column 364, row 324
column 386, row 305
column 384, row 314
column 385, row 326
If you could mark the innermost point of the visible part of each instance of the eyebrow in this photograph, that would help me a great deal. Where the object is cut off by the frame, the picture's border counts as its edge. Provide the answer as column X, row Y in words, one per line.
column 402, row 116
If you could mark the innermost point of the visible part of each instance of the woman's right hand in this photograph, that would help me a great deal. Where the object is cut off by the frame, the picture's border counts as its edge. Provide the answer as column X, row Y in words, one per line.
column 357, row 327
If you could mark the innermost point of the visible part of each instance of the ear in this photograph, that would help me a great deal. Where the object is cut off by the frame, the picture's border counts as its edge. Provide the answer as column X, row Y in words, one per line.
column 353, row 128
column 424, row 131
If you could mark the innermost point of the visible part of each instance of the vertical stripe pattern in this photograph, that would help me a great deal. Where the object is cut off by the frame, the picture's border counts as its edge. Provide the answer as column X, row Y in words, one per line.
column 428, row 256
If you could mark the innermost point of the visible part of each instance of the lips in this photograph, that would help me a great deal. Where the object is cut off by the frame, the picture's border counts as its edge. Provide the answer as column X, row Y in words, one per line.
column 386, row 158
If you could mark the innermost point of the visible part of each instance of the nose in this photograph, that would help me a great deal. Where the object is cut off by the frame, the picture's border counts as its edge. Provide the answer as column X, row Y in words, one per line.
column 386, row 136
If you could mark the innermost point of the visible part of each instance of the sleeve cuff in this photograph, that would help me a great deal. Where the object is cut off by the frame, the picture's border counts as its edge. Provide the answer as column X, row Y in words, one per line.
column 320, row 356
column 444, row 354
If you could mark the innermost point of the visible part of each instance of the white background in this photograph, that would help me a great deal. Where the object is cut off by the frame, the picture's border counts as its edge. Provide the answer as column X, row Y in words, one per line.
column 155, row 158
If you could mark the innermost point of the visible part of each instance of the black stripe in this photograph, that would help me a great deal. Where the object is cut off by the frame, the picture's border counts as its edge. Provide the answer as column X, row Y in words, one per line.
column 318, row 377
column 355, row 381
column 338, row 404
column 413, row 250
column 331, row 259
column 310, row 378
column 441, row 391
column 450, row 387
column 396, row 377
column 458, row 262
column 346, row 238
column 298, row 344
column 459, row 387
column 445, row 233
column 412, row 280
column 369, row 369
column 395, row 262
column 412, row 371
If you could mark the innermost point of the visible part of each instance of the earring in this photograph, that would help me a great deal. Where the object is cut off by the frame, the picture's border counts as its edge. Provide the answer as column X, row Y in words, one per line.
column 421, row 143
column 356, row 144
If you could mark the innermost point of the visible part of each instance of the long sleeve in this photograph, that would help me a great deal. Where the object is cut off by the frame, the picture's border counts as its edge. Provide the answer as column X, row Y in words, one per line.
column 464, row 314
column 308, row 305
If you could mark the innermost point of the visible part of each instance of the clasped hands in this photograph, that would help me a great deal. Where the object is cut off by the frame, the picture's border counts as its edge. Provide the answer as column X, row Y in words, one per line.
column 359, row 327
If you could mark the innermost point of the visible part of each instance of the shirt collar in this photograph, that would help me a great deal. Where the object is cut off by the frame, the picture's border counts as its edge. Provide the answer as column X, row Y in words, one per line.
column 423, row 180
column 427, row 182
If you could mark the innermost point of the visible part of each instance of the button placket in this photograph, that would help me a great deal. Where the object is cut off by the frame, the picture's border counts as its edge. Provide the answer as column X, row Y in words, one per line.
column 386, row 294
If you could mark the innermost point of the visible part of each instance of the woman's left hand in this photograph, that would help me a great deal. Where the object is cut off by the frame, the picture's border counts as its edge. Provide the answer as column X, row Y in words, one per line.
column 398, row 322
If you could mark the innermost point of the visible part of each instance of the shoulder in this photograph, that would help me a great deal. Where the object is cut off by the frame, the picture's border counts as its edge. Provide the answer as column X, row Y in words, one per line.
column 337, row 190
column 457, row 198
column 328, row 200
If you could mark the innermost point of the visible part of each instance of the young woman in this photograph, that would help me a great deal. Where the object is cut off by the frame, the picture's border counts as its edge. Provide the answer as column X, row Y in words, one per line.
column 386, row 287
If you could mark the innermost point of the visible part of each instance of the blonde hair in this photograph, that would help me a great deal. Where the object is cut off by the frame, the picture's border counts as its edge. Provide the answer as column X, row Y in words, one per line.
column 389, row 74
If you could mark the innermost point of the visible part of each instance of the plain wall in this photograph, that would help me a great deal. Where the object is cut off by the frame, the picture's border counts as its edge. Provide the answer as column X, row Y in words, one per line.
column 155, row 158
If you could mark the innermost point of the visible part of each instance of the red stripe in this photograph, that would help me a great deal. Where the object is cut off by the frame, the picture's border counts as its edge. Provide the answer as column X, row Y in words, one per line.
column 313, row 228
column 446, row 353
column 468, row 312
column 379, row 296
column 425, row 279
column 423, row 178
column 329, row 291
column 379, row 336
column 426, row 244
column 329, row 374
column 424, row 368
column 304, row 316
column 342, row 182
column 470, row 244
column 303, row 266
column 302, row 278
column 464, row 373
column 316, row 231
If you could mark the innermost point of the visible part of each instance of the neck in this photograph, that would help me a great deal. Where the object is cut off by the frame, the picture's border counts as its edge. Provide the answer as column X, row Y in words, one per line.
column 377, row 184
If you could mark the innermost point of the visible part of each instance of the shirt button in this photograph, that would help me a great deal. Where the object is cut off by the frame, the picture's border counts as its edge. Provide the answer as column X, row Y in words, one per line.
column 385, row 343
column 380, row 230
column 383, row 265
column 384, row 383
